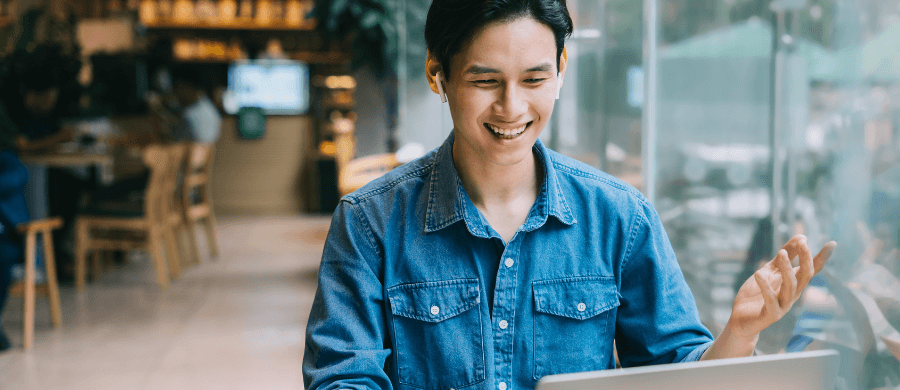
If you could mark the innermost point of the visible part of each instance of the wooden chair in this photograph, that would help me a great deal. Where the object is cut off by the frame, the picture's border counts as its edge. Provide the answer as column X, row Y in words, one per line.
column 28, row 287
column 357, row 172
column 170, row 207
column 196, row 198
column 127, row 226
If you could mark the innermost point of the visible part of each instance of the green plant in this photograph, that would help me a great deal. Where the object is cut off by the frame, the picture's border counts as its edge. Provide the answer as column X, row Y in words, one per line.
column 371, row 27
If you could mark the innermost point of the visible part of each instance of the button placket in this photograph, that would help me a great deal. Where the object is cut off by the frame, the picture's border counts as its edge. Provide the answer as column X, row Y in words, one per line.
column 504, row 309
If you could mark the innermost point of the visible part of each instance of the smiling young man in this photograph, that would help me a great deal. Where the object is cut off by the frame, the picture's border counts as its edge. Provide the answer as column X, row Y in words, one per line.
column 494, row 261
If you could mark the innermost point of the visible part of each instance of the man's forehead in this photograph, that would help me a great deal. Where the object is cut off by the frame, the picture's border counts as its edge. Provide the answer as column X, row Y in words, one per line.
column 479, row 69
column 519, row 45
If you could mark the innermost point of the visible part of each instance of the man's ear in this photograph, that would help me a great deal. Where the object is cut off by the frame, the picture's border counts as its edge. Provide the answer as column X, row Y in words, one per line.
column 432, row 66
column 563, row 60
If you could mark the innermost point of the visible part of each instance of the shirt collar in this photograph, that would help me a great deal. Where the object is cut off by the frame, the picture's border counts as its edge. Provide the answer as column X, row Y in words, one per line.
column 448, row 202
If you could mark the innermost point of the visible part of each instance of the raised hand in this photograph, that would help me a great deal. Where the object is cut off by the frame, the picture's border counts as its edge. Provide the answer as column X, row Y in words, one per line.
column 767, row 295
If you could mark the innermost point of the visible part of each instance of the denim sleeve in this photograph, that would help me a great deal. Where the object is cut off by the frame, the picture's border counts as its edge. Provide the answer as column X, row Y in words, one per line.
column 657, row 321
column 345, row 337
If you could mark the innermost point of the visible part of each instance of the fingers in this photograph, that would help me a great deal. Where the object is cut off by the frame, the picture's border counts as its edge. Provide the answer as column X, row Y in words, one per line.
column 794, row 245
column 807, row 267
column 797, row 245
column 823, row 256
column 771, row 300
column 788, row 280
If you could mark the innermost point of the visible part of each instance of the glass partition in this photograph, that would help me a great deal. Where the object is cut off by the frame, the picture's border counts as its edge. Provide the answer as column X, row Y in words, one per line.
column 598, row 117
column 776, row 118
column 422, row 119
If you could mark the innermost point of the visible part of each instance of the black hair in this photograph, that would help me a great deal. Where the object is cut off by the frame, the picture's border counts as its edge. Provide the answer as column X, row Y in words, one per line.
column 45, row 67
column 451, row 24
column 40, row 68
column 188, row 75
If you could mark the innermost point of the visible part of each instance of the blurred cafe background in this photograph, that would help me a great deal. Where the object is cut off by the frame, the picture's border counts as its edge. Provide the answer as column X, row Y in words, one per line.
column 743, row 121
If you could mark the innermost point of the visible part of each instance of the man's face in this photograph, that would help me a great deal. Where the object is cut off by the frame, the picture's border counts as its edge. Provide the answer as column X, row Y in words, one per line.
column 502, row 91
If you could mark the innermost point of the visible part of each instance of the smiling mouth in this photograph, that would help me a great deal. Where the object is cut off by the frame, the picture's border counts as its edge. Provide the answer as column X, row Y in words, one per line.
column 507, row 133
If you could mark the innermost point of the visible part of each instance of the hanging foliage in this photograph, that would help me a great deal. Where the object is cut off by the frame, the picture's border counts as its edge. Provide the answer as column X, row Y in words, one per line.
column 369, row 24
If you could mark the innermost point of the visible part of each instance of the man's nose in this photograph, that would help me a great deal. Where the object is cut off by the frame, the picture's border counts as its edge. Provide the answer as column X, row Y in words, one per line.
column 511, row 103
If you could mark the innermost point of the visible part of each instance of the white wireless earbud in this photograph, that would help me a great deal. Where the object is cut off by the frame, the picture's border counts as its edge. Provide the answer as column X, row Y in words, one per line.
column 440, row 85
column 558, row 85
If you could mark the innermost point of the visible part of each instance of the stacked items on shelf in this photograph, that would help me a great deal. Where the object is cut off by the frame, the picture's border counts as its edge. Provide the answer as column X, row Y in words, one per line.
column 335, row 138
column 208, row 49
column 227, row 14
column 340, row 122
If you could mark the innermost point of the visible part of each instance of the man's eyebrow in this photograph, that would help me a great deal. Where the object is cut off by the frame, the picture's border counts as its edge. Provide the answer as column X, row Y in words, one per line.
column 545, row 67
column 475, row 69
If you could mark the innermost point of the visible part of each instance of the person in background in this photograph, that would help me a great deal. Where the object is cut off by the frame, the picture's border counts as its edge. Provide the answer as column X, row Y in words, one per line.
column 35, row 89
column 182, row 113
column 13, row 208
column 37, row 92
column 197, row 120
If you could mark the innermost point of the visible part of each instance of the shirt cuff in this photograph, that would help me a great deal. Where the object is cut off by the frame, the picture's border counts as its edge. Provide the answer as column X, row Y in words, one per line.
column 697, row 353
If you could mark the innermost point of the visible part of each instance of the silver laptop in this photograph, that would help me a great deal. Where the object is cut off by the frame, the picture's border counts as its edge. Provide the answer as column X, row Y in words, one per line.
column 814, row 370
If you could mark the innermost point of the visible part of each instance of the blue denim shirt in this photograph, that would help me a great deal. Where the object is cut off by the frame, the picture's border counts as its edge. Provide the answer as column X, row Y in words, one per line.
column 417, row 291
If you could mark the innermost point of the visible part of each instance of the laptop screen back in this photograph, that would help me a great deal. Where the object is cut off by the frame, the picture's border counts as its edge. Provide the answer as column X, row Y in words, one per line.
column 815, row 370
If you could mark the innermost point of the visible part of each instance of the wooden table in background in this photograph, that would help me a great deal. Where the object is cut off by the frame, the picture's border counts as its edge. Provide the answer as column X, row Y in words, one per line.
column 67, row 160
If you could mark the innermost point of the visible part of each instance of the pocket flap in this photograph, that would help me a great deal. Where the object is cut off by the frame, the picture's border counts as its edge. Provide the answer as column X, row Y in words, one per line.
column 579, row 298
column 434, row 301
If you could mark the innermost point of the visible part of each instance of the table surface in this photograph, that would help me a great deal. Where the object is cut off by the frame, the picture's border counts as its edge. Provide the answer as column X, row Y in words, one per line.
column 36, row 189
column 73, row 159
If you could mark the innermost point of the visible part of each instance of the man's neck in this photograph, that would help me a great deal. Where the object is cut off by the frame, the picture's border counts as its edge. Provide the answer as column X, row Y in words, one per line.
column 503, row 194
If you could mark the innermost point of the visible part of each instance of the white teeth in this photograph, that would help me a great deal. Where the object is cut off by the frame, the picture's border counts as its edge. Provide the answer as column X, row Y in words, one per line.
column 507, row 132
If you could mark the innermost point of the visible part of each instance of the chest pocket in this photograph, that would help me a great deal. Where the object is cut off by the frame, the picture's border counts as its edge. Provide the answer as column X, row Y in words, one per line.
column 574, row 324
column 438, row 336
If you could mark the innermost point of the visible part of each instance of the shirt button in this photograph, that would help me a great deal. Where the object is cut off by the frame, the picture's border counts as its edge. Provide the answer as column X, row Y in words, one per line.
column 509, row 262
column 581, row 307
column 503, row 324
column 435, row 310
column 502, row 386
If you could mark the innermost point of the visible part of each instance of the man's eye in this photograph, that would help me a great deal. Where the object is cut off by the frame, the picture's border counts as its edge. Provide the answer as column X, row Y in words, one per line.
column 534, row 81
column 484, row 82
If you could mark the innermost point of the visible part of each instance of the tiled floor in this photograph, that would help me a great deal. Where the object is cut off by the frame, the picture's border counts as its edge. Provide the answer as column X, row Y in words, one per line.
column 236, row 322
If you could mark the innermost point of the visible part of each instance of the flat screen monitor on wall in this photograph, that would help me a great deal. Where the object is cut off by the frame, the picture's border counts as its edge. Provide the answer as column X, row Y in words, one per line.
column 279, row 87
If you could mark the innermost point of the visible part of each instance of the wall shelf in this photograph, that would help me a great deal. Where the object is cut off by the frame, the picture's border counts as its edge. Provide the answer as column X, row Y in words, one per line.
column 332, row 58
column 236, row 25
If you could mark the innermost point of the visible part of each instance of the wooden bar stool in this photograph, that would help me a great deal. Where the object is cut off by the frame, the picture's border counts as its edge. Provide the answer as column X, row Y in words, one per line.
column 28, row 286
